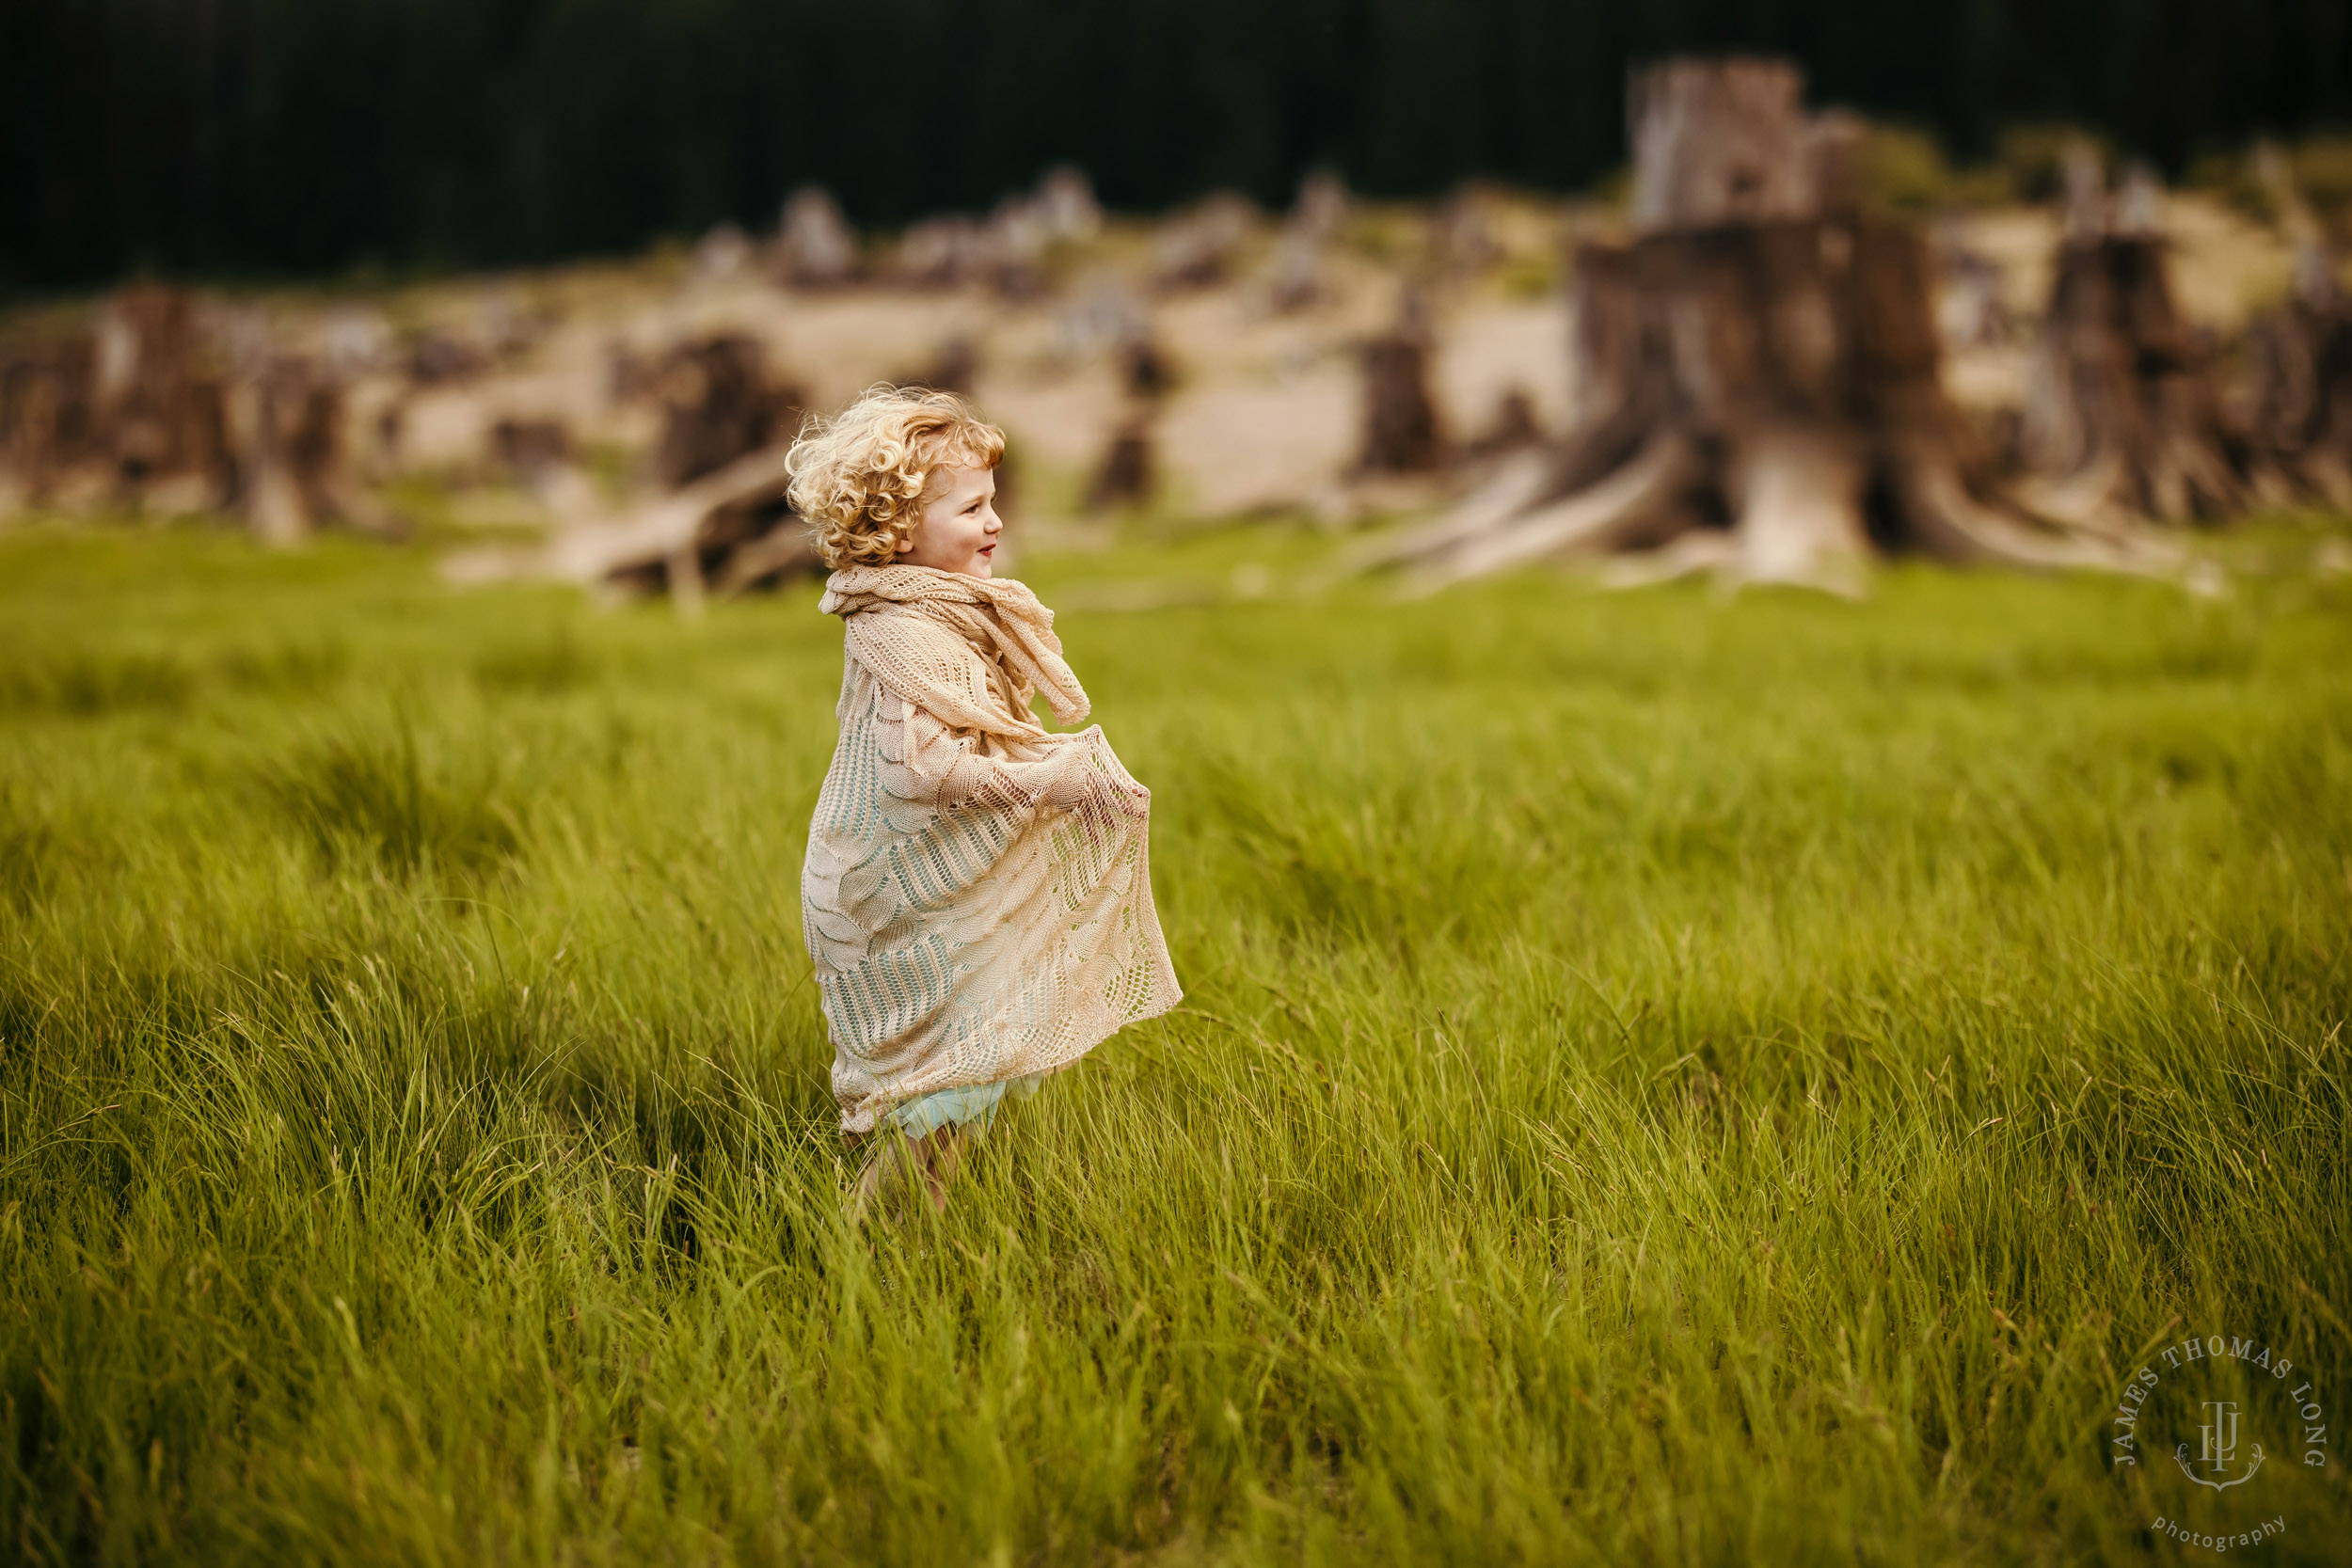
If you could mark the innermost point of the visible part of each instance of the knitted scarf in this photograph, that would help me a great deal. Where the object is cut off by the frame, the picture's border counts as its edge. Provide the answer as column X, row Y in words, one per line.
column 1000, row 619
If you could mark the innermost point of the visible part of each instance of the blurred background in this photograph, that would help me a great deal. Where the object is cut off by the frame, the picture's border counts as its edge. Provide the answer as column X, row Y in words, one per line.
column 530, row 272
column 291, row 138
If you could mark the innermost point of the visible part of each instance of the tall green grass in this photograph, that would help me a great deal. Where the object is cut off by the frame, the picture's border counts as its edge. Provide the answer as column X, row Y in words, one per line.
column 1662, row 1079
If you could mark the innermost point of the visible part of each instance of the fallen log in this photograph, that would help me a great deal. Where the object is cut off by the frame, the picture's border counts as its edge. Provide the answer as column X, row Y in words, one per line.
column 728, row 530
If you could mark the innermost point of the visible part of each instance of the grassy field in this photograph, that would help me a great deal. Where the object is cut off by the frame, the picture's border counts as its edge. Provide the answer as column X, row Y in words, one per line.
column 1662, row 1079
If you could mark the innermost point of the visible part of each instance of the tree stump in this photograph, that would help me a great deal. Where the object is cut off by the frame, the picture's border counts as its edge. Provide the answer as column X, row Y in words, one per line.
column 2120, row 421
column 1719, row 142
column 1400, row 433
column 162, row 409
column 1755, row 368
column 131, row 413
column 2301, row 360
column 723, row 414
column 718, row 404
column 1194, row 249
column 286, row 422
column 47, row 428
column 2302, row 403
column 1128, row 471
column 723, row 523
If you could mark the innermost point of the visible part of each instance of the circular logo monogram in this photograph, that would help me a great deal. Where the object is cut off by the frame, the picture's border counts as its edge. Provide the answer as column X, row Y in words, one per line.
column 2205, row 1421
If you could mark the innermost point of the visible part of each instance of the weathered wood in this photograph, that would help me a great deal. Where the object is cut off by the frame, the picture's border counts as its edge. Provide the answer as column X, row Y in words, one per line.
column 132, row 413
column 46, row 425
column 1622, row 512
column 1718, row 141
column 2302, row 359
column 1797, row 490
column 2120, row 421
column 157, row 401
column 286, row 420
column 1401, row 433
column 719, row 404
column 664, row 535
column 1128, row 471
column 1759, row 363
column 725, row 526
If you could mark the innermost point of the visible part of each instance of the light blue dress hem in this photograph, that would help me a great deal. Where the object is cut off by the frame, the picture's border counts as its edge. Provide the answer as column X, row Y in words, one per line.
column 973, row 1106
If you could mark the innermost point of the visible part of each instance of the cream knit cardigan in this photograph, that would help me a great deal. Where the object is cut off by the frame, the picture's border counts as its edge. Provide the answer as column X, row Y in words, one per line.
column 977, row 897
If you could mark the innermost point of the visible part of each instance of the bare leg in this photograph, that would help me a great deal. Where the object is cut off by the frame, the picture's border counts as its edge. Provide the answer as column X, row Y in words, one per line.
column 900, row 1163
column 940, row 1154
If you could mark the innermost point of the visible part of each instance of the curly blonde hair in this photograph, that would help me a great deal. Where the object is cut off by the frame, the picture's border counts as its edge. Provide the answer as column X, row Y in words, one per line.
column 859, row 478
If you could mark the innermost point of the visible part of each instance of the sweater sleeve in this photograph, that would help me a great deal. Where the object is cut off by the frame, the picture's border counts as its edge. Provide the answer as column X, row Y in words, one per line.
column 934, row 754
column 929, row 765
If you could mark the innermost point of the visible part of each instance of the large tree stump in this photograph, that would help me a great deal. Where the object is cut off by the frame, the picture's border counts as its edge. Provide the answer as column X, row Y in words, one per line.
column 131, row 414
column 1758, row 364
column 2120, row 421
column 47, row 429
column 2302, row 359
column 1719, row 141
column 1128, row 472
column 162, row 409
column 2302, row 403
column 725, row 531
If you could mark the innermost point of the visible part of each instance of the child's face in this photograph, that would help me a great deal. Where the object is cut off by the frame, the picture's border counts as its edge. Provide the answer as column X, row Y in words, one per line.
column 958, row 527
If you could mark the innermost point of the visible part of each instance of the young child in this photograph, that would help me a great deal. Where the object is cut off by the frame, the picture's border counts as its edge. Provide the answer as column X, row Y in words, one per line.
column 976, row 897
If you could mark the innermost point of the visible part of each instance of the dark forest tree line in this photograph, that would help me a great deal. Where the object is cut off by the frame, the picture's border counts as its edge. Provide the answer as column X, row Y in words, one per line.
column 273, row 136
